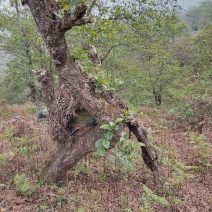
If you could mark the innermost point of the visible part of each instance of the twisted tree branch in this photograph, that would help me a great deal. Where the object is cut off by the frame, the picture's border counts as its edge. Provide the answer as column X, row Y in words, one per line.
column 76, row 18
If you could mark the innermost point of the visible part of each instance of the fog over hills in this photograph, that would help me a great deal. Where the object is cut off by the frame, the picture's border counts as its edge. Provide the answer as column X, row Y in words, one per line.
column 186, row 4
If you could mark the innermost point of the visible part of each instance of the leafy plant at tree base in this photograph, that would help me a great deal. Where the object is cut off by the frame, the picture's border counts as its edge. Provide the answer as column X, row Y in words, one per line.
column 126, row 150
column 104, row 143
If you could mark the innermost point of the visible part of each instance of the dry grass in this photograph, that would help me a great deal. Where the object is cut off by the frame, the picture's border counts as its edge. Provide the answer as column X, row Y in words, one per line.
column 103, row 184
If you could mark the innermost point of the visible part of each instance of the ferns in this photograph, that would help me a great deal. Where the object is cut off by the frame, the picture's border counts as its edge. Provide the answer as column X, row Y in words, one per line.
column 23, row 186
column 151, row 197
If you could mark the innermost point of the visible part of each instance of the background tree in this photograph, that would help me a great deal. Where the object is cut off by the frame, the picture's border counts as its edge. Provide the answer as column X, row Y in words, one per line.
column 26, row 49
column 148, row 62
column 197, row 17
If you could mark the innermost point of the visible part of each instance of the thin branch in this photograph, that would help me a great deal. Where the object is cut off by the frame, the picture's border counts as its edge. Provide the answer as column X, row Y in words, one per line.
column 112, row 47
column 91, row 7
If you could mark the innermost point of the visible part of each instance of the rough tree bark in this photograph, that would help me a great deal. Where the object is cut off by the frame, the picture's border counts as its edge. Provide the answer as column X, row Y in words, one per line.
column 76, row 92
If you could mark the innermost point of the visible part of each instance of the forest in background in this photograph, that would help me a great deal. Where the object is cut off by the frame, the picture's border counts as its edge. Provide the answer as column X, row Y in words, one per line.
column 159, row 61
column 162, row 57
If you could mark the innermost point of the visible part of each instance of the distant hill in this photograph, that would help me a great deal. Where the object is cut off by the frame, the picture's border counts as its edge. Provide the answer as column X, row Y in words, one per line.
column 186, row 4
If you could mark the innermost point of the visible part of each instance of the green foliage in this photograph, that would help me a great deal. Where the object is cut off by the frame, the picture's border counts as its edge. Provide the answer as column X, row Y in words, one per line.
column 100, row 81
column 9, row 134
column 202, row 151
column 104, row 143
column 127, row 115
column 197, row 17
column 23, row 185
column 136, row 43
column 148, row 66
column 82, row 168
column 80, row 209
column 68, row 5
column 22, row 145
column 146, row 60
column 178, row 174
column 201, row 78
column 2, row 157
column 195, row 112
column 126, row 150
column 26, row 150
column 26, row 51
column 152, row 198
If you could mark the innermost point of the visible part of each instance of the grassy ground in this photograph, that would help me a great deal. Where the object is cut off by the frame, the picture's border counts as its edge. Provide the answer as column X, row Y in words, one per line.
column 103, row 183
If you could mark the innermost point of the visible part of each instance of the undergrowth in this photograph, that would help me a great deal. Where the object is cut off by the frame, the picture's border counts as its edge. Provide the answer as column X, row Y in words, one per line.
column 118, row 181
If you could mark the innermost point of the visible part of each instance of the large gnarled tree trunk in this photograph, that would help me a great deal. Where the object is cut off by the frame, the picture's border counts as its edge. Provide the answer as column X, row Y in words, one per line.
column 76, row 93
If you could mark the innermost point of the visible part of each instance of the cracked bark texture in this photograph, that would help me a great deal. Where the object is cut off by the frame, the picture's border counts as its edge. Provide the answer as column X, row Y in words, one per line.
column 76, row 92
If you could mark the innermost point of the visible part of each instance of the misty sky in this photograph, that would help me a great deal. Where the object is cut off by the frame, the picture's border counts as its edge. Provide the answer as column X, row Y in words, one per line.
column 186, row 4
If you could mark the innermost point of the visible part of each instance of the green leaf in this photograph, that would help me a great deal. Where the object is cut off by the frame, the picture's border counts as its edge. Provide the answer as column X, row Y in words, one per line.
column 101, row 151
column 134, row 155
column 97, row 86
column 112, row 123
column 104, row 82
column 109, row 35
column 105, row 126
column 106, row 143
column 130, row 163
column 116, row 127
column 140, row 144
column 99, row 143
column 123, row 134
column 67, row 7
column 119, row 120
column 91, row 41
column 109, row 134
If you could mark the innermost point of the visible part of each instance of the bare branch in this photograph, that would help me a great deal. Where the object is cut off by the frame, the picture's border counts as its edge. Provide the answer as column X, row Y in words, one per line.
column 112, row 47
column 91, row 7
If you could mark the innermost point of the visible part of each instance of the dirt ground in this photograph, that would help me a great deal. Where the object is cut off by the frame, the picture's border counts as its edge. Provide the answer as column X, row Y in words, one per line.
column 102, row 184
